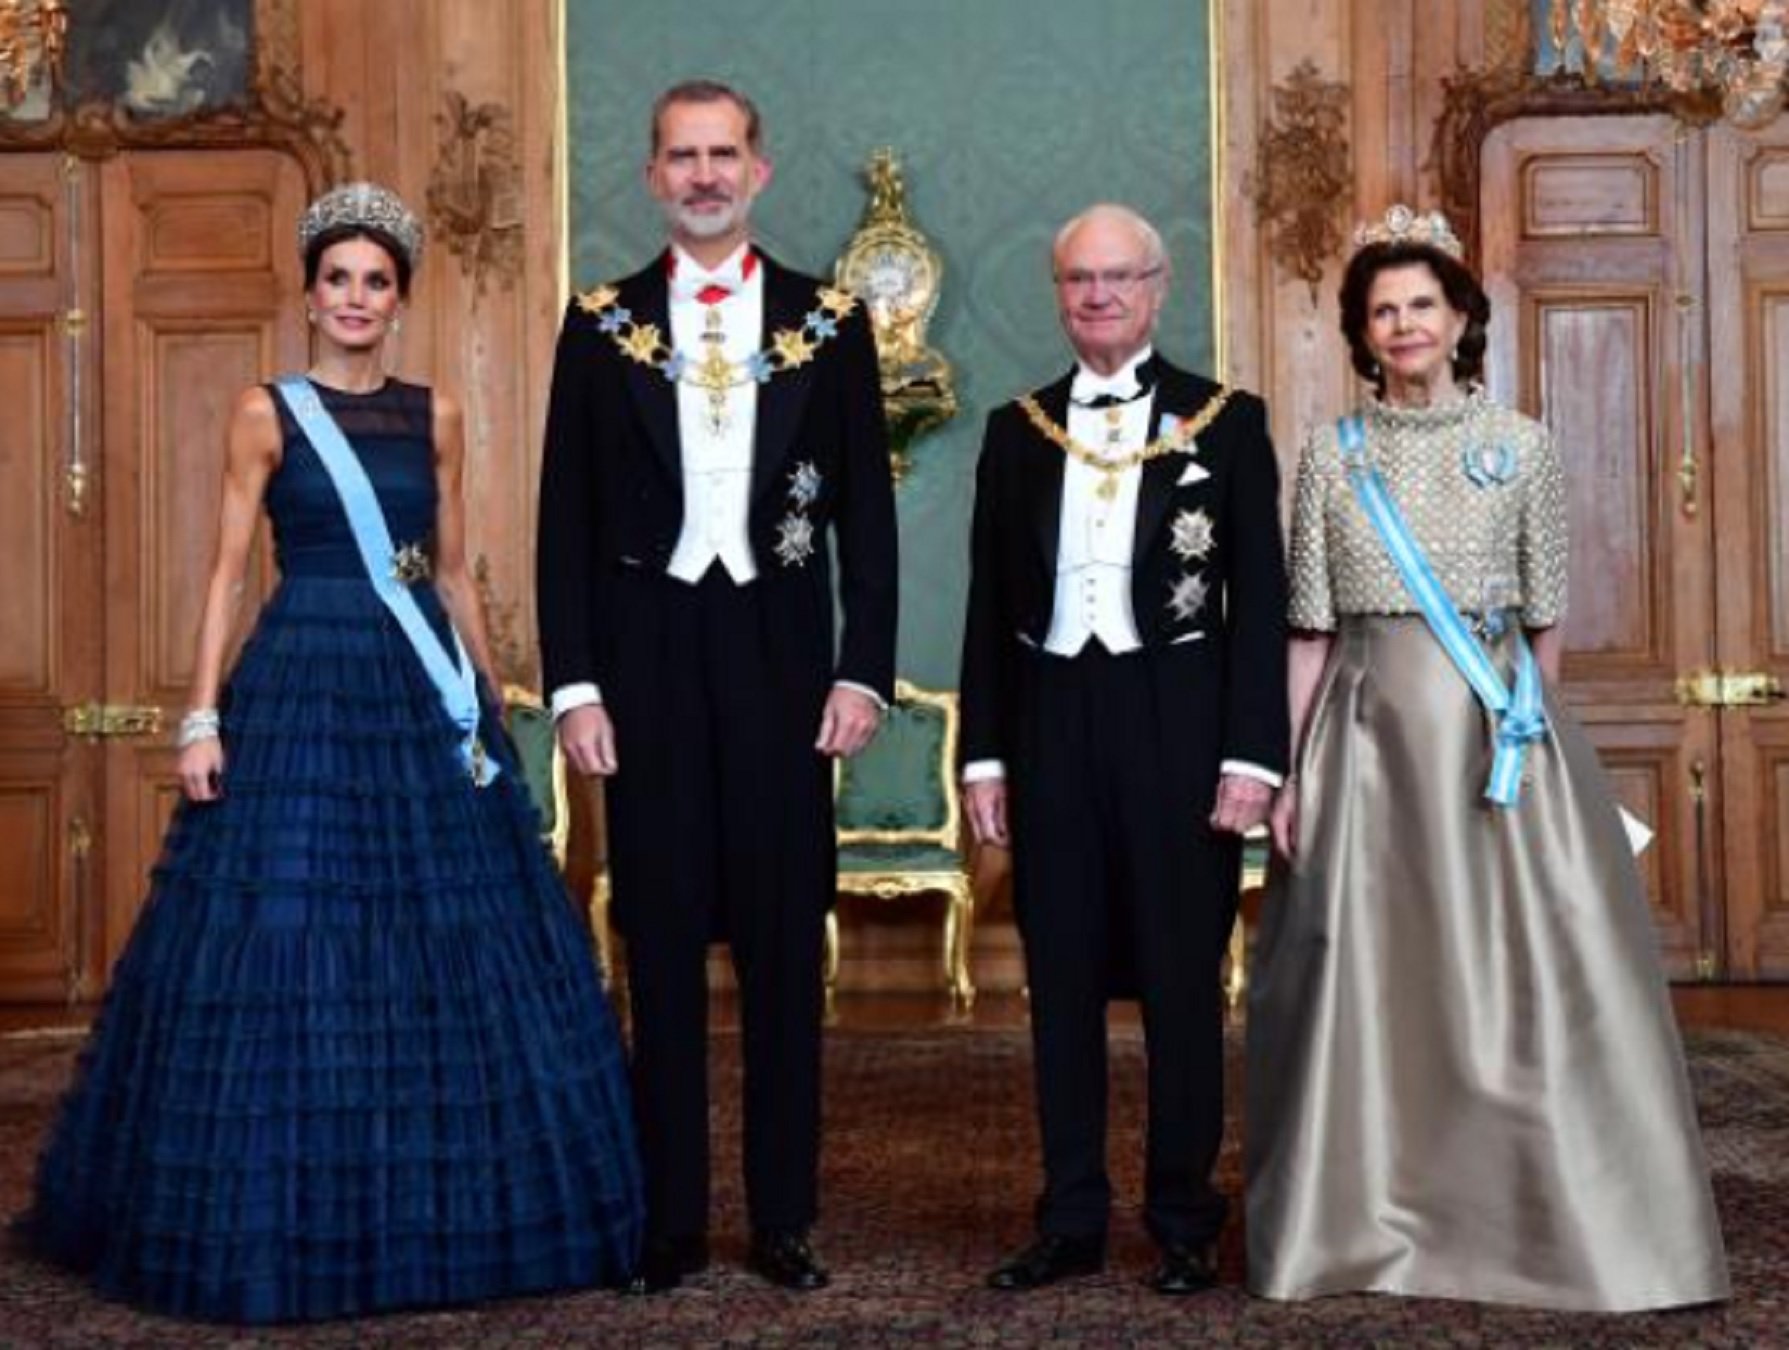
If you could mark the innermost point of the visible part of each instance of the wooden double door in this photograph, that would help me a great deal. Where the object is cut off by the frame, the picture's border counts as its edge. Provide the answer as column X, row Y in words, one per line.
column 1639, row 272
column 138, row 296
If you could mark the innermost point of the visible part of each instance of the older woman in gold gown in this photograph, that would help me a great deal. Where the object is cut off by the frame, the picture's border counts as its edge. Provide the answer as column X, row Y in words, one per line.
column 1464, row 1080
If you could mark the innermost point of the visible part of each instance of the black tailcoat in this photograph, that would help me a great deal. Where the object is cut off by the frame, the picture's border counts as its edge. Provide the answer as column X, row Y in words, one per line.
column 1112, row 766
column 720, row 815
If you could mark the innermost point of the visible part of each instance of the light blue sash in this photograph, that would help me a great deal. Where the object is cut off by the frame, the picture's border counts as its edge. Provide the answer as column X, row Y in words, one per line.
column 1517, row 718
column 452, row 674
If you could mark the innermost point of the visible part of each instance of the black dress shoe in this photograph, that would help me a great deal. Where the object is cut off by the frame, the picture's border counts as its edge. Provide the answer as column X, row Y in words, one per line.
column 667, row 1262
column 787, row 1260
column 1184, row 1269
column 1049, row 1259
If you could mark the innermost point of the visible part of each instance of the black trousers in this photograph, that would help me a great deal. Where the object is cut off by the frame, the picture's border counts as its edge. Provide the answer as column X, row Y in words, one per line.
column 720, row 821
column 1120, row 881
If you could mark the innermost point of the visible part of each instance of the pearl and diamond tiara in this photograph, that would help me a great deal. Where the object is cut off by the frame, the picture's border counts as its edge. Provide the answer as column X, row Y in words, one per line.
column 1401, row 225
column 367, row 205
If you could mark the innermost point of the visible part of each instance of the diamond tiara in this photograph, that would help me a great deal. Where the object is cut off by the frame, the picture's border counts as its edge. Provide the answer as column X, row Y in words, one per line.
column 1401, row 225
column 367, row 205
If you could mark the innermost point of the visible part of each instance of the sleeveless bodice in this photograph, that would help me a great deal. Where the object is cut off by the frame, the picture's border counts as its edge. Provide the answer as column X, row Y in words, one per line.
column 391, row 430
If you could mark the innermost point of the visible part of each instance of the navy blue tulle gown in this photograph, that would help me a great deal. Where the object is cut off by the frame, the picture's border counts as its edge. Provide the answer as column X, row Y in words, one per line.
column 356, row 1056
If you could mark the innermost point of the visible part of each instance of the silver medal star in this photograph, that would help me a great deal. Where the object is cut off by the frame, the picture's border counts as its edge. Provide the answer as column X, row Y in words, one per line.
column 1187, row 597
column 804, row 484
column 1192, row 537
column 794, row 540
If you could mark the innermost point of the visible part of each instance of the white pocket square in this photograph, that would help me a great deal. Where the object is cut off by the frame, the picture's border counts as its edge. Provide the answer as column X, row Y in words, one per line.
column 1193, row 473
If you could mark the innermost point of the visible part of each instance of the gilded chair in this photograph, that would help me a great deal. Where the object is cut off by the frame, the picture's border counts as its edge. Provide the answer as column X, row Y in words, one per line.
column 898, row 821
column 1255, row 848
column 530, row 726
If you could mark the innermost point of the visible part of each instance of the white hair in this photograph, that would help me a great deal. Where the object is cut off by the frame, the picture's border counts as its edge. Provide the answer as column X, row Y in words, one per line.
column 1155, row 252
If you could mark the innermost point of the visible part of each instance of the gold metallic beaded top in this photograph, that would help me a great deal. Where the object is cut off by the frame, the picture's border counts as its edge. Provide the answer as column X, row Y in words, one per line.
column 1483, row 491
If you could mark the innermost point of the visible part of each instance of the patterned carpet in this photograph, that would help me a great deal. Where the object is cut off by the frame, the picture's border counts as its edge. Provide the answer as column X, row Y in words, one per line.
column 929, row 1176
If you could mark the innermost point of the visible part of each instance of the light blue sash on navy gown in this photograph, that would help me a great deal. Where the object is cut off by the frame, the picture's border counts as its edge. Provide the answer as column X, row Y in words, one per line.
column 451, row 673
column 1517, row 716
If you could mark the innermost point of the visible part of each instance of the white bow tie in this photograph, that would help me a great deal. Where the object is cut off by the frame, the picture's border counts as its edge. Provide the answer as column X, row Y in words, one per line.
column 1088, row 386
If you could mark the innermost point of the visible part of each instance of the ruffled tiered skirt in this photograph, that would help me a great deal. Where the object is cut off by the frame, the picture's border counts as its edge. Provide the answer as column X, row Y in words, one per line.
column 356, row 1055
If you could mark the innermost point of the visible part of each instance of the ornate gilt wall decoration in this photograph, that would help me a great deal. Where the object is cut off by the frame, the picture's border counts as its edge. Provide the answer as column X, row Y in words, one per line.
column 1509, row 35
column 33, row 40
column 474, row 196
column 895, row 271
column 1305, row 183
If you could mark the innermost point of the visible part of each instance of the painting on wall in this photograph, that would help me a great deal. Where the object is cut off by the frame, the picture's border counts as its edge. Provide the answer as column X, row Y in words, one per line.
column 165, row 58
column 153, row 58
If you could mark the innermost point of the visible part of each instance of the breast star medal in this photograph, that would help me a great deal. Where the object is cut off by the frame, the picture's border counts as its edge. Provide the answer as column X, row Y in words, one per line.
column 1192, row 536
column 1187, row 596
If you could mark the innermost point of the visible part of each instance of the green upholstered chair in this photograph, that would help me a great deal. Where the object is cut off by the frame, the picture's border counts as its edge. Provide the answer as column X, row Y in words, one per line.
column 530, row 726
column 899, row 819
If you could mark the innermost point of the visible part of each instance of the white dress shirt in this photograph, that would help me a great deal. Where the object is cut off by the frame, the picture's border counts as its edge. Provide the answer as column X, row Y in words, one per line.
column 717, row 460
column 1097, row 535
column 1096, row 540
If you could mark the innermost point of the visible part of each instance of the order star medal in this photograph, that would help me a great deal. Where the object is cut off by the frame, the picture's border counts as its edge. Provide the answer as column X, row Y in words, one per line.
column 795, row 540
column 1192, row 536
column 1187, row 597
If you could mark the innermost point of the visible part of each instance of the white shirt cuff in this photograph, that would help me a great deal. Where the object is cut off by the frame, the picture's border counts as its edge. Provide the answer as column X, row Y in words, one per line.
column 1243, row 769
column 569, row 696
column 984, row 770
column 865, row 689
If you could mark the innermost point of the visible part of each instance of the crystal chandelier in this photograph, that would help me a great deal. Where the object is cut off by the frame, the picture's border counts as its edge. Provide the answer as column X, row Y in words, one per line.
column 33, row 34
column 1733, row 51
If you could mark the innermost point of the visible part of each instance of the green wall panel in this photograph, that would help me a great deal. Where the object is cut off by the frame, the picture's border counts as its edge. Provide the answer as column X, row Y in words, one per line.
column 1008, row 117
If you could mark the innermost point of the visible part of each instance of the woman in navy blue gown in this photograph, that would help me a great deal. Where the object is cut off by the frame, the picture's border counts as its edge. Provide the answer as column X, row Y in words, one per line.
column 356, row 1056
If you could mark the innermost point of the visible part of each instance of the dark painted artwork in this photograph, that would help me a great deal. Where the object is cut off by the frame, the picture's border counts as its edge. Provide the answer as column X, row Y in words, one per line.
column 160, row 58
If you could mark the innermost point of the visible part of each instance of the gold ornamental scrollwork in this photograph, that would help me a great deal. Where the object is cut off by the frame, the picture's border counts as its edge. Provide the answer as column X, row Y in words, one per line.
column 474, row 195
column 893, row 268
column 1305, row 181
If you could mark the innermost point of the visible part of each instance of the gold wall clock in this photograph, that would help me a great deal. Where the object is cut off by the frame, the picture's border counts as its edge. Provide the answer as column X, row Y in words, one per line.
column 890, row 266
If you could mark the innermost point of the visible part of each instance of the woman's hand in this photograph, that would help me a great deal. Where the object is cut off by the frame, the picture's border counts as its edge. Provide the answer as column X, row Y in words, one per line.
column 201, row 767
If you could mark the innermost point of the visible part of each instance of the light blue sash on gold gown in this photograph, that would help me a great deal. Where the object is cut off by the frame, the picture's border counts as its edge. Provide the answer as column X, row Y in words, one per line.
column 1517, row 716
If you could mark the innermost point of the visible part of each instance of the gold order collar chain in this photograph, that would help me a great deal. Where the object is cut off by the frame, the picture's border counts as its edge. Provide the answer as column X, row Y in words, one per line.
column 789, row 347
column 1168, row 443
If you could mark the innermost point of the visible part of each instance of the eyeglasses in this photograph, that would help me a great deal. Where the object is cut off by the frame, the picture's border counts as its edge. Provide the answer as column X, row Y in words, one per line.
column 1120, row 279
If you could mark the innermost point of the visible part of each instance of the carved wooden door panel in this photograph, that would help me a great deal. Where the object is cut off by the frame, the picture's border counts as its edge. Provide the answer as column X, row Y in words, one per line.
column 202, row 298
column 1748, row 211
column 50, row 535
column 1594, row 234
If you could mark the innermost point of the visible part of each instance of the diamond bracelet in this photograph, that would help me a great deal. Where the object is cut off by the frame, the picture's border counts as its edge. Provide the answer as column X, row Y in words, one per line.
column 201, row 724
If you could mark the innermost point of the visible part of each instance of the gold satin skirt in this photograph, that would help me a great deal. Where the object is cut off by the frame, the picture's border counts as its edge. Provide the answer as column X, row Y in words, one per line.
column 1464, row 1076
